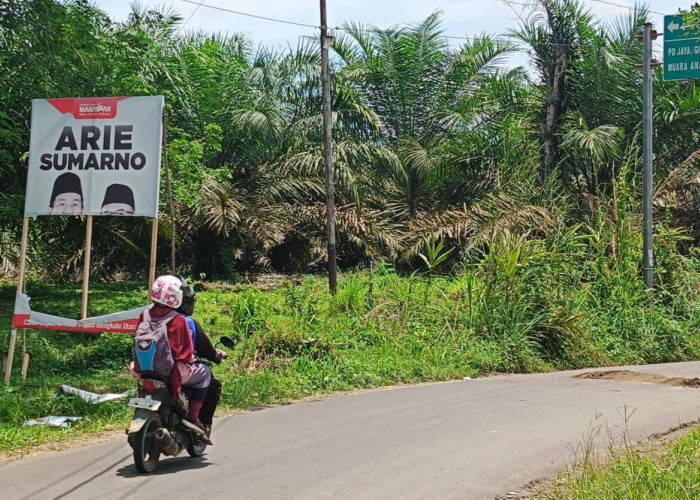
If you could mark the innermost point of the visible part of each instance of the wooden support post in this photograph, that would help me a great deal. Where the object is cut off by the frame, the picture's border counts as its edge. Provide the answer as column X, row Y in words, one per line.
column 20, row 287
column 86, row 267
column 169, row 188
column 154, row 249
column 25, row 365
column 25, row 355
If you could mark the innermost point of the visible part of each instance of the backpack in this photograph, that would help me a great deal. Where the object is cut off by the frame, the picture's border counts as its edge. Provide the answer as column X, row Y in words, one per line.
column 193, row 330
column 152, row 347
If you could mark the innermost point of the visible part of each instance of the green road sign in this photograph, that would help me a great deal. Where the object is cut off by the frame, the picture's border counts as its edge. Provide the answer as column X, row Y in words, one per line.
column 681, row 50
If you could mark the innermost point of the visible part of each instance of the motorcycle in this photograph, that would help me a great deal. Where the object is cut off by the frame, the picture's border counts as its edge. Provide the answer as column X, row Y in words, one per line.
column 155, row 427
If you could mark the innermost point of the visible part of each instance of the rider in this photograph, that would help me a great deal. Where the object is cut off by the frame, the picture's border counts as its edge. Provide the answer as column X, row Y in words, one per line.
column 203, row 349
column 166, row 295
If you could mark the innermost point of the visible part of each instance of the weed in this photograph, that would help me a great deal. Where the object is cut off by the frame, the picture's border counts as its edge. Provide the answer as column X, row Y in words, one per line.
column 668, row 475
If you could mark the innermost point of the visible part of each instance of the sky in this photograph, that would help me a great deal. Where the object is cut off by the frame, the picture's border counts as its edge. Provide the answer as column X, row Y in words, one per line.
column 461, row 18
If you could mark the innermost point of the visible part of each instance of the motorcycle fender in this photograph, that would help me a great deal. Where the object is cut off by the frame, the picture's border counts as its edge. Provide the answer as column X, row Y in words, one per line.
column 140, row 418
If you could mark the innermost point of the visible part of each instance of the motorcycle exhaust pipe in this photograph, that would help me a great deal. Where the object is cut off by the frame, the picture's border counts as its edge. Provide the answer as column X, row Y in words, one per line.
column 167, row 442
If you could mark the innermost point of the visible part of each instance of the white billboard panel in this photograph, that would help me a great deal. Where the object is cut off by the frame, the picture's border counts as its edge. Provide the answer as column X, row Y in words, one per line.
column 95, row 156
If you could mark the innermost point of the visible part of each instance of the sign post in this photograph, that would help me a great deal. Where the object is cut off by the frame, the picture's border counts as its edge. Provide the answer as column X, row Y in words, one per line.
column 20, row 287
column 86, row 267
column 681, row 50
column 648, row 35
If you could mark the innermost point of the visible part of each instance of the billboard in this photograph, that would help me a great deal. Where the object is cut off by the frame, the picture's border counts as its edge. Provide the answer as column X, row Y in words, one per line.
column 95, row 156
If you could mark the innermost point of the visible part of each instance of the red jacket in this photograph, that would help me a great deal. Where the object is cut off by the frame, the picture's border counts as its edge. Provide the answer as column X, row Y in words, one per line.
column 180, row 344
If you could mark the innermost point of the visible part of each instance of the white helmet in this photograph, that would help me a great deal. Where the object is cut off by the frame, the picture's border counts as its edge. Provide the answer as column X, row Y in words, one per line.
column 167, row 290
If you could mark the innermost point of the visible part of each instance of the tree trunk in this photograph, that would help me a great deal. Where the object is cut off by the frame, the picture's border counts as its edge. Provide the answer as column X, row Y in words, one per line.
column 554, row 109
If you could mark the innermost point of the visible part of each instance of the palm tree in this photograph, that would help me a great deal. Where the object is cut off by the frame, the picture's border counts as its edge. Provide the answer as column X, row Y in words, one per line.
column 426, row 94
column 555, row 34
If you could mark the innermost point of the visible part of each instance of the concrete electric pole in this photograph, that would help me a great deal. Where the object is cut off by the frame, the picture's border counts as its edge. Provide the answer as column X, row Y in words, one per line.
column 328, row 149
column 648, row 64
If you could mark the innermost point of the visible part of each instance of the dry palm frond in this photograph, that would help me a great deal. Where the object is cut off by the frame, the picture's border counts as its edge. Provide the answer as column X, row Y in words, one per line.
column 353, row 163
column 307, row 162
column 477, row 224
column 8, row 247
column 266, row 225
column 220, row 208
column 72, row 264
column 367, row 229
column 258, row 222
column 681, row 189
column 370, row 230
column 279, row 184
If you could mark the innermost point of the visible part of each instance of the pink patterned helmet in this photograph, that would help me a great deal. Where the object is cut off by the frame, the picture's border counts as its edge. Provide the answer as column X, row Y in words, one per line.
column 167, row 290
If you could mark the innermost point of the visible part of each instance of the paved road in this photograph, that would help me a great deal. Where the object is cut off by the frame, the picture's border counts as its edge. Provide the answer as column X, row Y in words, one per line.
column 465, row 439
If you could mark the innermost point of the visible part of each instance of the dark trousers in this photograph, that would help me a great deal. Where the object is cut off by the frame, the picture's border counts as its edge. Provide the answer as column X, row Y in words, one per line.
column 211, row 400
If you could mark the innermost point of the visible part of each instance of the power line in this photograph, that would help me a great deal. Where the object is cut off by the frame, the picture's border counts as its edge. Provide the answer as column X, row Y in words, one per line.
column 182, row 26
column 608, row 2
column 252, row 15
column 338, row 28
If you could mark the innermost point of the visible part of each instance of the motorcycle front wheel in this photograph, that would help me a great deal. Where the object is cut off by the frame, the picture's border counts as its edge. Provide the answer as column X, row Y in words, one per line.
column 146, row 449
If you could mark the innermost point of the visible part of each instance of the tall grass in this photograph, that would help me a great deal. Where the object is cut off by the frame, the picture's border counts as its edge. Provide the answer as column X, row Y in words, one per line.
column 670, row 475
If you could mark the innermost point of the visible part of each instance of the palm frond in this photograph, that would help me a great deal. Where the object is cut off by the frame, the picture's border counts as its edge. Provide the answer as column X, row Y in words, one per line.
column 220, row 209
column 478, row 224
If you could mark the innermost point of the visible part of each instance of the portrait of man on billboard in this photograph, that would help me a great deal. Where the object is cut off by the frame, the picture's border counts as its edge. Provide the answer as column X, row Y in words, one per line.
column 66, row 196
column 118, row 200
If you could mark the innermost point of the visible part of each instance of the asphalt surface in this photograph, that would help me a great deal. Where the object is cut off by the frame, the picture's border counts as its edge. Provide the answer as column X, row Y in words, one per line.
column 466, row 439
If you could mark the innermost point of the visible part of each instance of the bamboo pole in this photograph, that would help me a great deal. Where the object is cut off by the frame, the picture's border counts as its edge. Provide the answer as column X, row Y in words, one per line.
column 86, row 267
column 169, row 188
column 20, row 287
column 25, row 356
column 25, row 365
column 154, row 248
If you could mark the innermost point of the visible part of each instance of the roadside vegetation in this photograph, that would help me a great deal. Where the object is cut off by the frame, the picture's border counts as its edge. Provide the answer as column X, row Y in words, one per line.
column 533, row 305
column 668, row 474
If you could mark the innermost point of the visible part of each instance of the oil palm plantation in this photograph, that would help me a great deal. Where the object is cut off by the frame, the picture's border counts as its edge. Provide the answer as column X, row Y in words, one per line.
column 428, row 96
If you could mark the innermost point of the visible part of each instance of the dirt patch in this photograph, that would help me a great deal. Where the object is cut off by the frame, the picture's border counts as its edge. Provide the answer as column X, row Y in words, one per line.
column 692, row 382
column 630, row 376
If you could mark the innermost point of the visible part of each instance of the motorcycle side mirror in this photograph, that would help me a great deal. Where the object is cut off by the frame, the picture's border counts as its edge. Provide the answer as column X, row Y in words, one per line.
column 227, row 342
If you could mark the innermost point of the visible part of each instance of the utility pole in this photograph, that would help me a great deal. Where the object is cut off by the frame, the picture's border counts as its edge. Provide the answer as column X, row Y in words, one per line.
column 648, row 64
column 328, row 149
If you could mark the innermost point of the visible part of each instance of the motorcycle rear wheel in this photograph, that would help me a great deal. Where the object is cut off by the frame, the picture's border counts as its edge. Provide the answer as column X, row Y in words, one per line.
column 195, row 449
column 146, row 449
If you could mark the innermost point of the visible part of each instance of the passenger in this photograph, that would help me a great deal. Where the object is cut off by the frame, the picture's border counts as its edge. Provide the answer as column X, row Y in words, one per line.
column 166, row 295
